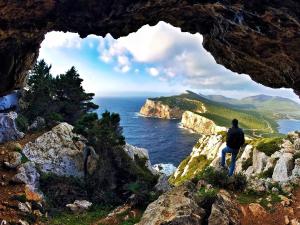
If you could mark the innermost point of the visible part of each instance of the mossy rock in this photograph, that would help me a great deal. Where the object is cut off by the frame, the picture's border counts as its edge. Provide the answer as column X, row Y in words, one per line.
column 196, row 165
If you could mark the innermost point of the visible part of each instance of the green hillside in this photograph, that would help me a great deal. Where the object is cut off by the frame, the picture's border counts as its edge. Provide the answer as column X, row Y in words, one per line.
column 276, row 107
column 222, row 115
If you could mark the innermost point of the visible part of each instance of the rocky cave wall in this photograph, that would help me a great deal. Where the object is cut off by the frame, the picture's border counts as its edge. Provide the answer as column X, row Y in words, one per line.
column 257, row 37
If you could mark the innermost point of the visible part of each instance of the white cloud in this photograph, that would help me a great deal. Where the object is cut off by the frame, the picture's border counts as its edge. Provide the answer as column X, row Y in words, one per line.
column 61, row 39
column 154, row 72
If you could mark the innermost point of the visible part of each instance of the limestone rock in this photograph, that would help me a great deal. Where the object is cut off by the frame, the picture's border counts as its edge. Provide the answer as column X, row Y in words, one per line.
column 14, row 160
column 245, row 155
column 296, row 170
column 260, row 160
column 79, row 206
column 24, row 207
column 200, row 124
column 27, row 174
column 177, row 206
column 8, row 128
column 256, row 185
column 57, row 151
column 224, row 210
column 157, row 109
column 257, row 210
column 141, row 153
column 283, row 167
column 162, row 184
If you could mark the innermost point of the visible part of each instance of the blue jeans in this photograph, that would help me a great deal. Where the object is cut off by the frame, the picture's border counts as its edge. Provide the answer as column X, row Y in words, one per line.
column 233, row 159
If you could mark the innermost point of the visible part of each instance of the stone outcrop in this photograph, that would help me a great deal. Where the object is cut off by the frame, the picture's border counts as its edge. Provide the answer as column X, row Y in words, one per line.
column 27, row 174
column 157, row 109
column 206, row 150
column 178, row 206
column 283, row 168
column 200, row 124
column 79, row 206
column 224, row 210
column 8, row 128
column 259, row 38
column 260, row 169
column 58, row 151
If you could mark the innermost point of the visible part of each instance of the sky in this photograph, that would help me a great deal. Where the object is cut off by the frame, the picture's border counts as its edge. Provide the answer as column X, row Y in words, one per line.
column 154, row 61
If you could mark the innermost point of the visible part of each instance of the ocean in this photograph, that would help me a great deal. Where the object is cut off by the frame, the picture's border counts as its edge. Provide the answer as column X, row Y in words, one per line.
column 165, row 141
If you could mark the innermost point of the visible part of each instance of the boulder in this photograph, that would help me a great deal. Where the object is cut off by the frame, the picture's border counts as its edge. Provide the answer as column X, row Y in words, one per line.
column 79, row 206
column 257, row 185
column 142, row 153
column 296, row 170
column 8, row 128
column 59, row 151
column 38, row 124
column 162, row 184
column 260, row 160
column 14, row 160
column 224, row 210
column 27, row 174
column 178, row 206
column 283, row 167
column 245, row 156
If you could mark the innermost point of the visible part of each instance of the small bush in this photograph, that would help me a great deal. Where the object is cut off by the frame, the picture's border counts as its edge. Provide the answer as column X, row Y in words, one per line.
column 220, row 179
column 22, row 123
column 269, row 145
column 214, row 177
column 239, row 182
column 56, row 117
column 208, row 195
column 267, row 174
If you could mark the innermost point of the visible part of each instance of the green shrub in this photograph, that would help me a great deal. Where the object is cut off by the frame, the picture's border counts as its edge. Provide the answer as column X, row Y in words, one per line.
column 239, row 182
column 269, row 145
column 217, row 178
column 22, row 123
column 207, row 194
column 267, row 174
column 220, row 179
column 56, row 117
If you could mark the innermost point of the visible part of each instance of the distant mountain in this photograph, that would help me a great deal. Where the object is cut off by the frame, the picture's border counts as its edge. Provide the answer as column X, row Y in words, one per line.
column 277, row 107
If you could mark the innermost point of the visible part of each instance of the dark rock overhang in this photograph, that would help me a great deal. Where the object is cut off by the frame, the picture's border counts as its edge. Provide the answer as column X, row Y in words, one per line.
column 257, row 37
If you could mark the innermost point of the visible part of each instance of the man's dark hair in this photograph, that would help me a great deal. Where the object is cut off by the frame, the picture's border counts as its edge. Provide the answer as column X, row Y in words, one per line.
column 235, row 122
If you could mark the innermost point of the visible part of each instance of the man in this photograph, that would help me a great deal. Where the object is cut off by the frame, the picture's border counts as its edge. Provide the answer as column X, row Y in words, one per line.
column 235, row 139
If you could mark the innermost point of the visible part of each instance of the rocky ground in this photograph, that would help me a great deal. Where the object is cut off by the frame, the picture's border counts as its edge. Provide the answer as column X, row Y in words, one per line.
column 13, row 194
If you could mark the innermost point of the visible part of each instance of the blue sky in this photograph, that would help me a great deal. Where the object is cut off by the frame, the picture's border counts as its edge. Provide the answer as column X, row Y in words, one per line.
column 153, row 61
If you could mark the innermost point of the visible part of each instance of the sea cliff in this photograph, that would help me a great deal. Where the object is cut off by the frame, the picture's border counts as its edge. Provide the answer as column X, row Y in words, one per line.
column 200, row 124
column 157, row 109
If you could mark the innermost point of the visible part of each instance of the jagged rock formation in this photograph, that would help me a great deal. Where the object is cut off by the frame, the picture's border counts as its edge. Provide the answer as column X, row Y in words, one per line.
column 206, row 150
column 182, row 205
column 8, row 128
column 200, row 124
column 157, row 109
column 261, row 167
column 178, row 206
column 260, row 38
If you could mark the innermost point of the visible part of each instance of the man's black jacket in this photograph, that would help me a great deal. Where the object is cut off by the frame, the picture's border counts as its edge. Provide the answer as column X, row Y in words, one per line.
column 235, row 138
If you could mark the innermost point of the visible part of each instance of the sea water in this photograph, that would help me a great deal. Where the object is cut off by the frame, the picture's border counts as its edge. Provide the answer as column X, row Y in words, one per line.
column 164, row 139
